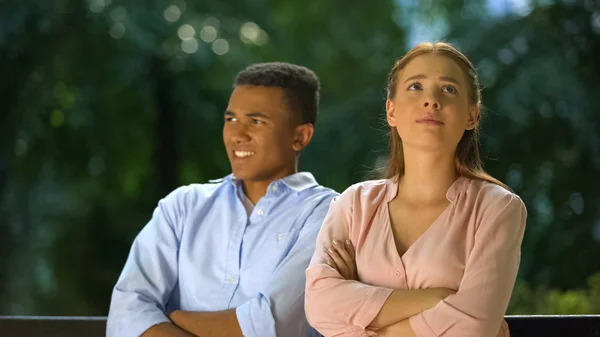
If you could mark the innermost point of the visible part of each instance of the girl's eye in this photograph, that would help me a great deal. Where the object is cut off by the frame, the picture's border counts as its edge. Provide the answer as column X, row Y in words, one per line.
column 230, row 119
column 256, row 121
column 415, row 86
column 449, row 89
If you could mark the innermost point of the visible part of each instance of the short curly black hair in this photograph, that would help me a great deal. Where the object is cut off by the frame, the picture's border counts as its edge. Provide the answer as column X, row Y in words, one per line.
column 300, row 84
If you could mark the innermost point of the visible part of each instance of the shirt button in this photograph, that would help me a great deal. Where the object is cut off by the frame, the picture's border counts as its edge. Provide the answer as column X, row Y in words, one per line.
column 260, row 212
column 279, row 237
column 397, row 274
column 232, row 279
column 274, row 188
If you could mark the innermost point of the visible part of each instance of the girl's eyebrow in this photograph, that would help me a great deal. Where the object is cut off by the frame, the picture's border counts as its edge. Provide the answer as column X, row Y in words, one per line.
column 441, row 78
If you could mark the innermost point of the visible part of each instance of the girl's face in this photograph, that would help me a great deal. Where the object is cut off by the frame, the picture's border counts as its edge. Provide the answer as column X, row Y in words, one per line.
column 431, row 108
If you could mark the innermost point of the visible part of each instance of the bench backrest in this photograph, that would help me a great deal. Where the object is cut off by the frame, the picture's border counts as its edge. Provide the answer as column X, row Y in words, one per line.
column 520, row 326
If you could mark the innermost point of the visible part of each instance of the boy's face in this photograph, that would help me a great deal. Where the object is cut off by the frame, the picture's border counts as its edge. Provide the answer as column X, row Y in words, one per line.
column 259, row 136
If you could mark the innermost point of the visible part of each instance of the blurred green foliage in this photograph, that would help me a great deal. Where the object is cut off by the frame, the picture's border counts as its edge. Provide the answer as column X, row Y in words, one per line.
column 527, row 300
column 107, row 105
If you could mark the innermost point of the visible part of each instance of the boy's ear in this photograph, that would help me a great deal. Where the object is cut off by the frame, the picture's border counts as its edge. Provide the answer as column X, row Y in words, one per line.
column 302, row 136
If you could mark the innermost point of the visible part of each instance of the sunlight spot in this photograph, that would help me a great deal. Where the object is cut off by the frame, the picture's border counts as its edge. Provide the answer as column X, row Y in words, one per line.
column 117, row 30
column 186, row 32
column 208, row 34
column 220, row 47
column 172, row 13
column 189, row 46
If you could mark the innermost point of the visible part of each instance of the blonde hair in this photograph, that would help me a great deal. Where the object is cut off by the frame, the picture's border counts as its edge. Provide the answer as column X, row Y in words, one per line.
column 468, row 160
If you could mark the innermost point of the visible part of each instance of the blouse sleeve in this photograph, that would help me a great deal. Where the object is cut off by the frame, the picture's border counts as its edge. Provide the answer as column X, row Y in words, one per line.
column 336, row 306
column 478, row 307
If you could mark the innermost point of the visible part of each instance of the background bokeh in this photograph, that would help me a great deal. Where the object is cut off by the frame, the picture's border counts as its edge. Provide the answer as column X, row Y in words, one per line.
column 108, row 105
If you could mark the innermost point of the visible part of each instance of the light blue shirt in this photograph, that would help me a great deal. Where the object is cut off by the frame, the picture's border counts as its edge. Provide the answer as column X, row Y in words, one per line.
column 202, row 252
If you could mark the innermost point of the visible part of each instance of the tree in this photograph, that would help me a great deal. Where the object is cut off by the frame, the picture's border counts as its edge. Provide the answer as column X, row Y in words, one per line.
column 109, row 106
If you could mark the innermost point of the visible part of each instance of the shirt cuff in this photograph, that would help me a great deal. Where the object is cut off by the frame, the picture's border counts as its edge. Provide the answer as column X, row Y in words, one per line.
column 372, row 305
column 253, row 326
column 420, row 326
column 136, row 326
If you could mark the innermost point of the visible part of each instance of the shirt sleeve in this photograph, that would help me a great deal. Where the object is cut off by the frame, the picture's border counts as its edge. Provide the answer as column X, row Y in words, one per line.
column 150, row 273
column 336, row 306
column 278, row 309
column 478, row 307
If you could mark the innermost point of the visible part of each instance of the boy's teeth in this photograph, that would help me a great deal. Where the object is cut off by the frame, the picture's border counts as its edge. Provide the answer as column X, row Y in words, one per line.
column 243, row 153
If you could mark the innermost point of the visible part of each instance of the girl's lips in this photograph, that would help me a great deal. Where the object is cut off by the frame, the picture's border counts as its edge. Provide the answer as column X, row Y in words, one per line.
column 429, row 121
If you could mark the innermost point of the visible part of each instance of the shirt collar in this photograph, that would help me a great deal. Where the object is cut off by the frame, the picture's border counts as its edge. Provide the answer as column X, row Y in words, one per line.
column 298, row 182
column 455, row 189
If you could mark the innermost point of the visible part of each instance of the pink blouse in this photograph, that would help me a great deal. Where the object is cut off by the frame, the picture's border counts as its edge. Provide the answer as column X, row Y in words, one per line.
column 473, row 247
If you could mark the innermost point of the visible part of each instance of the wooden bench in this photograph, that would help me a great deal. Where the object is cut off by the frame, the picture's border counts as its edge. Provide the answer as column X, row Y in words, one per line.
column 520, row 326
column 52, row 326
column 554, row 326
